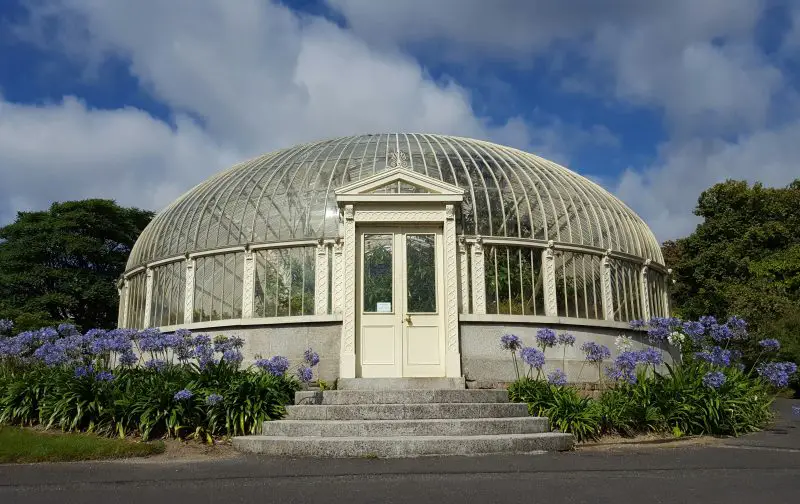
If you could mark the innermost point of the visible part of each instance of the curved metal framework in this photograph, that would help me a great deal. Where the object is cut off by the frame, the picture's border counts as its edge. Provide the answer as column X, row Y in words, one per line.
column 257, row 240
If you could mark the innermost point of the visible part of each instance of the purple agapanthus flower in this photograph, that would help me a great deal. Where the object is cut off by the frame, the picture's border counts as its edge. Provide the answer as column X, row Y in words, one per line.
column 738, row 327
column 595, row 352
column 83, row 371
column 624, row 368
column 637, row 324
column 720, row 333
column 183, row 395
column 213, row 399
column 695, row 331
column 276, row 366
column 650, row 356
column 6, row 326
column 714, row 379
column 510, row 342
column 717, row 356
column 546, row 338
column 770, row 344
column 104, row 376
column 557, row 377
column 777, row 373
column 532, row 357
column 311, row 357
column 156, row 364
column 305, row 374
column 566, row 339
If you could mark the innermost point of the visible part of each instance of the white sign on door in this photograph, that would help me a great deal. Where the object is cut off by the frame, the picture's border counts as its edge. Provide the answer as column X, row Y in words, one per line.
column 383, row 307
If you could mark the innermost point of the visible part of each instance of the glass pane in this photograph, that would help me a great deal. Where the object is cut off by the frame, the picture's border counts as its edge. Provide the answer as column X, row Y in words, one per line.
column 378, row 273
column 421, row 273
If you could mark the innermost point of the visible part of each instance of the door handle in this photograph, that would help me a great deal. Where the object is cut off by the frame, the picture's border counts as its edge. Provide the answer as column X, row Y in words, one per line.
column 408, row 319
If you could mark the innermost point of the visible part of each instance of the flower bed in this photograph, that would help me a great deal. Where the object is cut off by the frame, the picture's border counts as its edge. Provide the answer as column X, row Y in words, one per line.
column 712, row 391
column 125, row 382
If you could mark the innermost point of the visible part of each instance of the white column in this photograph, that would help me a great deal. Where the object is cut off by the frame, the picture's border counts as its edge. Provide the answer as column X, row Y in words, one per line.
column 148, row 300
column 321, row 279
column 645, row 291
column 347, row 358
column 123, row 304
column 463, row 288
column 549, row 281
column 248, row 287
column 478, row 278
column 337, row 287
column 188, row 306
column 665, row 294
column 453, row 354
column 605, row 287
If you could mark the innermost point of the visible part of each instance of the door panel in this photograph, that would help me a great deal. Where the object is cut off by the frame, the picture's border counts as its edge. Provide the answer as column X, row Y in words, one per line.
column 423, row 344
column 399, row 289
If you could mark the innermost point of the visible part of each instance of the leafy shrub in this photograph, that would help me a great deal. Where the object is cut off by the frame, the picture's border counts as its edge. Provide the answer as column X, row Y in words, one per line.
column 712, row 391
column 127, row 382
column 563, row 406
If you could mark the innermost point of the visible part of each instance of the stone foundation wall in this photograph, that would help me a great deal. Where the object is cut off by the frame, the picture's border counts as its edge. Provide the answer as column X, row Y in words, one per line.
column 485, row 364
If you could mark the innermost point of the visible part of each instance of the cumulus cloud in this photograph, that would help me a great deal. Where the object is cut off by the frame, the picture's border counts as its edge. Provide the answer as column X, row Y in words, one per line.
column 241, row 78
column 695, row 62
column 256, row 75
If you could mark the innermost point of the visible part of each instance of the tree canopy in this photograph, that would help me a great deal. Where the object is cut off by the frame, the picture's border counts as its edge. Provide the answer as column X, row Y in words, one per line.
column 62, row 265
column 743, row 259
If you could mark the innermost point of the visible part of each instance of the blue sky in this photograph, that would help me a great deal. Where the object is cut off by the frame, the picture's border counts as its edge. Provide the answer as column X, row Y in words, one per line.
column 139, row 101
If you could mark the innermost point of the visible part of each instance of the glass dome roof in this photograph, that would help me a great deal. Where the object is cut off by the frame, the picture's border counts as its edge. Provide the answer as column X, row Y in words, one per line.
column 289, row 195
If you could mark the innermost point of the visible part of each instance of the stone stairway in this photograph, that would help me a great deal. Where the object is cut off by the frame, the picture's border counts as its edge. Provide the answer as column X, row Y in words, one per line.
column 396, row 422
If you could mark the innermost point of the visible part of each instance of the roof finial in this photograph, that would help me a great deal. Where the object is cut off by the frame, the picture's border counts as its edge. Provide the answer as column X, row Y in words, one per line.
column 397, row 159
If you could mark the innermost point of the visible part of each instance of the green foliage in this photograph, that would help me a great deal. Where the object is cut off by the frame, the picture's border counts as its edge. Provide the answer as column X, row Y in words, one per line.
column 740, row 405
column 744, row 260
column 62, row 264
column 677, row 402
column 142, row 401
column 18, row 445
column 563, row 406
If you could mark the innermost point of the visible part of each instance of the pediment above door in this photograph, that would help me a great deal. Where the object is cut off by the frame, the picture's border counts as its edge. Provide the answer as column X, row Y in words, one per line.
column 401, row 185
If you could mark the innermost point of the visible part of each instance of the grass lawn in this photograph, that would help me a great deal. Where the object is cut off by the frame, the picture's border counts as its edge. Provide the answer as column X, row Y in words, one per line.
column 28, row 445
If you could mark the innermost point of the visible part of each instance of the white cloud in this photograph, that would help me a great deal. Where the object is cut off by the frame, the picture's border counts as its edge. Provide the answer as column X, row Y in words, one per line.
column 65, row 151
column 697, row 62
column 666, row 193
column 258, row 76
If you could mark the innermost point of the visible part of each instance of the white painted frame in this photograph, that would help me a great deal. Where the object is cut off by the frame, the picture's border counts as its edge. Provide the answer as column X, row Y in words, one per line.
column 436, row 205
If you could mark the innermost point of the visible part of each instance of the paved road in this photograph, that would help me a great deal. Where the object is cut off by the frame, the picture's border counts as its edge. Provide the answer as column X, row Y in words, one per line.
column 761, row 468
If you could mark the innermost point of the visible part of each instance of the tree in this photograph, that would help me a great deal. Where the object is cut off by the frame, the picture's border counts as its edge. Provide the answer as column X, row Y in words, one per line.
column 743, row 259
column 62, row 265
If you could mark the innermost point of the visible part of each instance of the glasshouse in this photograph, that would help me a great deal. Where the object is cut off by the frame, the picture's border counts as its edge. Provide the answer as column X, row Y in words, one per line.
column 398, row 255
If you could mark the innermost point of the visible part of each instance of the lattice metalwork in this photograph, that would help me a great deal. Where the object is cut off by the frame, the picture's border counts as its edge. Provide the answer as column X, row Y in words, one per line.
column 513, row 277
column 284, row 282
column 626, row 291
column 137, row 294
column 169, row 288
column 657, row 285
column 218, row 287
column 578, row 285
column 289, row 194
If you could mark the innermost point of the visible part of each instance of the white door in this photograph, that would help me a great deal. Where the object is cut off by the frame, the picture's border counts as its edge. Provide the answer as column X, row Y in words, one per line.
column 400, row 322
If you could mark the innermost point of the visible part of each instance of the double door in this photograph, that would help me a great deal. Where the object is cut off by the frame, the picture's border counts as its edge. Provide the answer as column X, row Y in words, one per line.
column 399, row 299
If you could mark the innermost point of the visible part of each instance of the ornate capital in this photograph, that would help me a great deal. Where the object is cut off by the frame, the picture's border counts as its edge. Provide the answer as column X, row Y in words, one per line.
column 349, row 212
column 449, row 212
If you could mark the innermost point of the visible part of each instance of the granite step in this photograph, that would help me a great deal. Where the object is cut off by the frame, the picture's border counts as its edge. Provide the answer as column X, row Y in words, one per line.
column 394, row 428
column 400, row 383
column 403, row 446
column 418, row 396
column 411, row 411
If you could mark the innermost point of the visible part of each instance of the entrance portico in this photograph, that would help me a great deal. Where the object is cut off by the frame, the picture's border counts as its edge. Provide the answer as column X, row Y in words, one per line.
column 400, row 294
